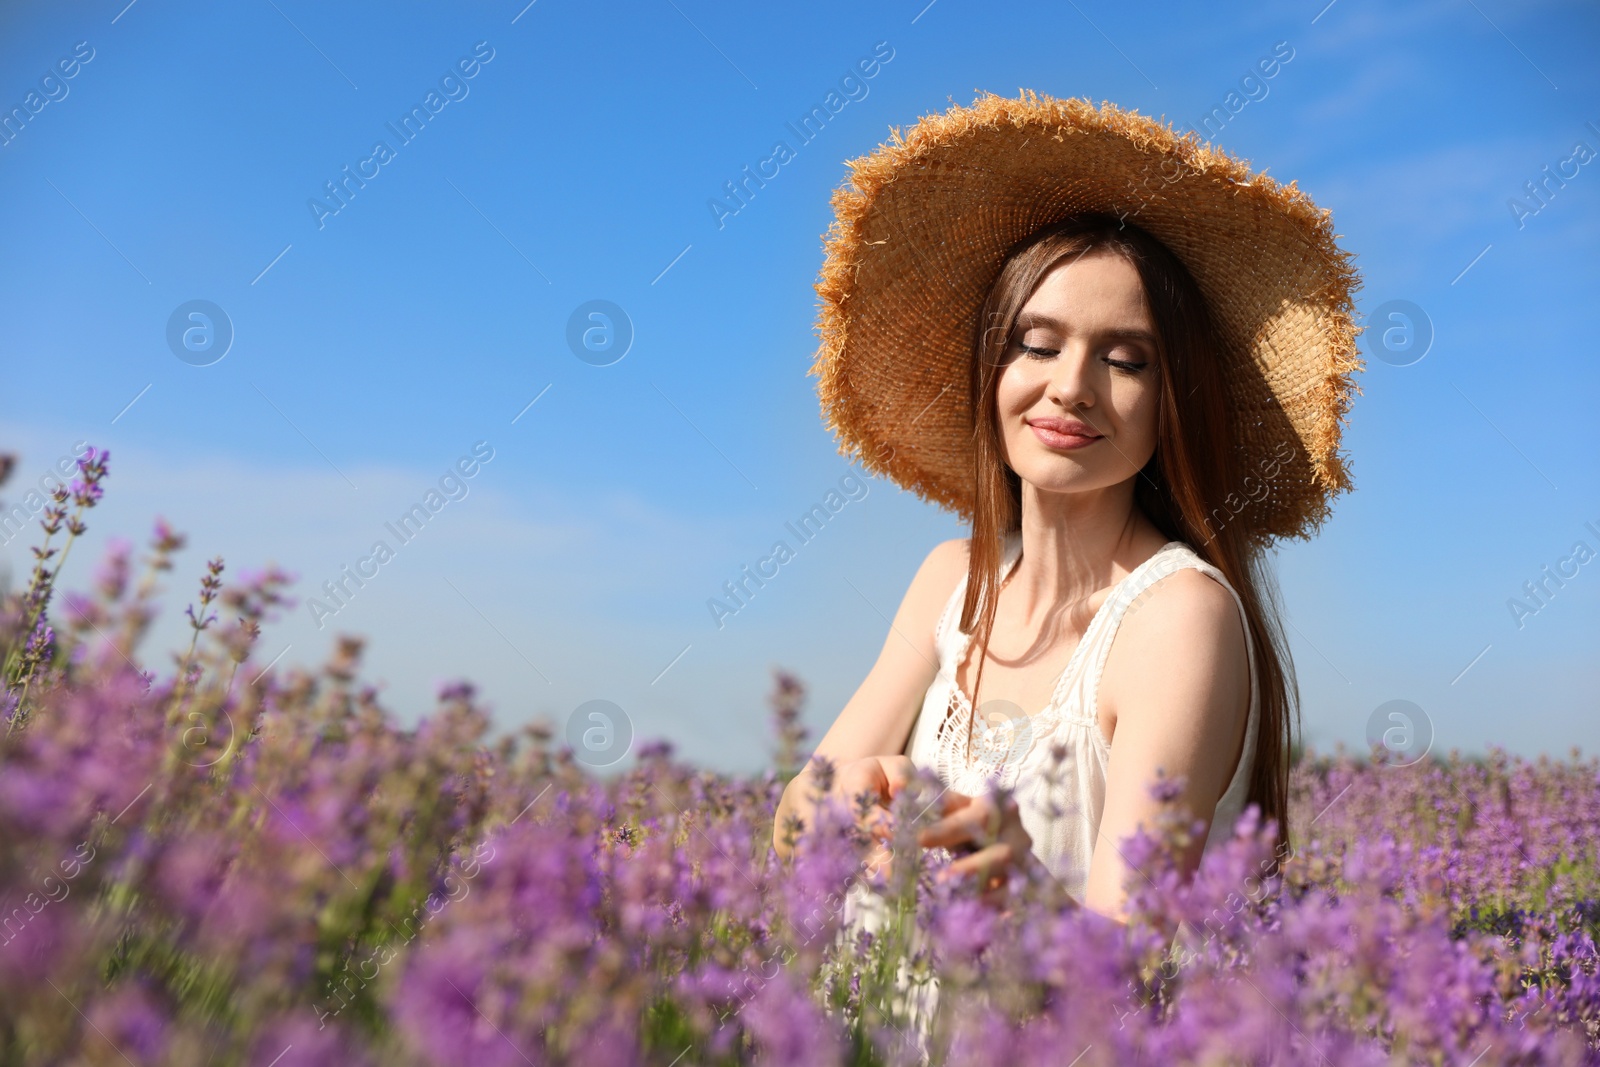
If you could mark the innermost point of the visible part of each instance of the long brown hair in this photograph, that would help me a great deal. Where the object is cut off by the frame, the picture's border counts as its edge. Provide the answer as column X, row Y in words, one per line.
column 1189, row 476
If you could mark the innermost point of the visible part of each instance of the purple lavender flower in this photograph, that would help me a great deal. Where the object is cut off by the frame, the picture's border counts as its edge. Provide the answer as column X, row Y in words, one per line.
column 344, row 889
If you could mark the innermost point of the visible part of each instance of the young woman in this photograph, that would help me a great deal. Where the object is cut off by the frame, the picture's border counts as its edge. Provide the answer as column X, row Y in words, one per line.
column 1126, row 425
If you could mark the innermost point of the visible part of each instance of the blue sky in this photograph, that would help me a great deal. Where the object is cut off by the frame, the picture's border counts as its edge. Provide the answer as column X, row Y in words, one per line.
column 374, row 347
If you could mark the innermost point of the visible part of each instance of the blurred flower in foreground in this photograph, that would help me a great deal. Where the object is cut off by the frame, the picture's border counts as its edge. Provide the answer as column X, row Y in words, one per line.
column 250, row 862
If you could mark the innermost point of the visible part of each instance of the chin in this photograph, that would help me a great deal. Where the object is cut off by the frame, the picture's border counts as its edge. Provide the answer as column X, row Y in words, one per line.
column 1067, row 476
column 1056, row 480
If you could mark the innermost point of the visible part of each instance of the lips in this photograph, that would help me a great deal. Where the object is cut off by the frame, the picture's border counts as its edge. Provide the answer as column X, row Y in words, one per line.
column 1055, row 432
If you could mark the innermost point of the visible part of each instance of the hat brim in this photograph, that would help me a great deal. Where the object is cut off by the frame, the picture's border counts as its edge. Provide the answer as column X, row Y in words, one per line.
column 919, row 236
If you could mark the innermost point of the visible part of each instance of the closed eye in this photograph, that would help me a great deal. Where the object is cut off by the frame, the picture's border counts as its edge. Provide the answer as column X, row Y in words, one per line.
column 1046, row 353
column 1036, row 352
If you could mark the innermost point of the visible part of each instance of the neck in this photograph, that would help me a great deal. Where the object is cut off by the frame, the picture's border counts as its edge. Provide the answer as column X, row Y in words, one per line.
column 1074, row 544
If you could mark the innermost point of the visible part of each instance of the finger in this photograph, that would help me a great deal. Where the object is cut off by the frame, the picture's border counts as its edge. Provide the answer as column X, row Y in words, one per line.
column 951, row 830
column 879, row 823
column 858, row 778
column 898, row 772
column 980, row 816
column 1018, row 838
column 862, row 802
column 983, row 862
column 869, row 769
column 950, row 801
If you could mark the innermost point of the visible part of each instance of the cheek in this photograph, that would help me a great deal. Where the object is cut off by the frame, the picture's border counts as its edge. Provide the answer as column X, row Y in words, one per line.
column 1142, row 410
column 1010, row 401
column 1014, row 395
column 1014, row 391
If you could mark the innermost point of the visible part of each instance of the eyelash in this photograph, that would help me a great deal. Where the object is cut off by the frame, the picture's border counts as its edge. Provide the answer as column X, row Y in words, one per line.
column 1042, row 353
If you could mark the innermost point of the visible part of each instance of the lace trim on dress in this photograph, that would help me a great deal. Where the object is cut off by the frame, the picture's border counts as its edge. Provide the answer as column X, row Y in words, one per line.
column 1000, row 746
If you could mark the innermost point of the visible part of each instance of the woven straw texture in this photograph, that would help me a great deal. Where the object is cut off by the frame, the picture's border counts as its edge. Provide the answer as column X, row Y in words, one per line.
column 922, row 227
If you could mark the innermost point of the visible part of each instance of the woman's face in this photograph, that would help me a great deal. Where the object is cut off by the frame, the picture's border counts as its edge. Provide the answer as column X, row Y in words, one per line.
column 1077, row 397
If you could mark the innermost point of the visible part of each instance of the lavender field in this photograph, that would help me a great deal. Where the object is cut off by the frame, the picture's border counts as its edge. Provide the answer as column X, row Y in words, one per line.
column 206, row 860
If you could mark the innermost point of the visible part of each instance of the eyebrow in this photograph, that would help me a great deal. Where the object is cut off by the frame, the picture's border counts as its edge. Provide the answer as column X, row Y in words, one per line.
column 1122, row 333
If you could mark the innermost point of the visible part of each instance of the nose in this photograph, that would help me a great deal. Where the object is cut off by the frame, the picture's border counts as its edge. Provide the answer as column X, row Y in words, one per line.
column 1070, row 384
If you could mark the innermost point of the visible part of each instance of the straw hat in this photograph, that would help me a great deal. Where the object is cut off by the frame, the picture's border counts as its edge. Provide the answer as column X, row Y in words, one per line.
column 922, row 228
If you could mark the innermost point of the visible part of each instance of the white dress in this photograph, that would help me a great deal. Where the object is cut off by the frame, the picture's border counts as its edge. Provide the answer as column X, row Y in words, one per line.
column 1015, row 748
column 1017, row 752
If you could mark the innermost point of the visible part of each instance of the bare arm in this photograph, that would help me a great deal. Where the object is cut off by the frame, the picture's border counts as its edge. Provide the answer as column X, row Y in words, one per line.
column 1187, row 717
column 877, row 720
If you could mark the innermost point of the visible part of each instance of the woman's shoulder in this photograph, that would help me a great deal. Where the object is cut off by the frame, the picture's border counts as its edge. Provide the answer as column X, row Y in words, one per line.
column 1186, row 623
column 1186, row 615
column 942, row 571
column 948, row 560
column 935, row 582
column 1182, row 588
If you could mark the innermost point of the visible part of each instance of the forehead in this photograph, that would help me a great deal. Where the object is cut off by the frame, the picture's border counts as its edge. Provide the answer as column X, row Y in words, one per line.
column 1095, row 291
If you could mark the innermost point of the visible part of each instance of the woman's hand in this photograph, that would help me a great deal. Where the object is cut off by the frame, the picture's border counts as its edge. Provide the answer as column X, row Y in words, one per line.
column 988, row 835
column 866, row 786
column 877, row 778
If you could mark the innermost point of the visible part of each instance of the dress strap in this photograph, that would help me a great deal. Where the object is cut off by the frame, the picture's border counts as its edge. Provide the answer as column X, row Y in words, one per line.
column 1097, row 635
column 947, row 617
column 947, row 638
column 1173, row 557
